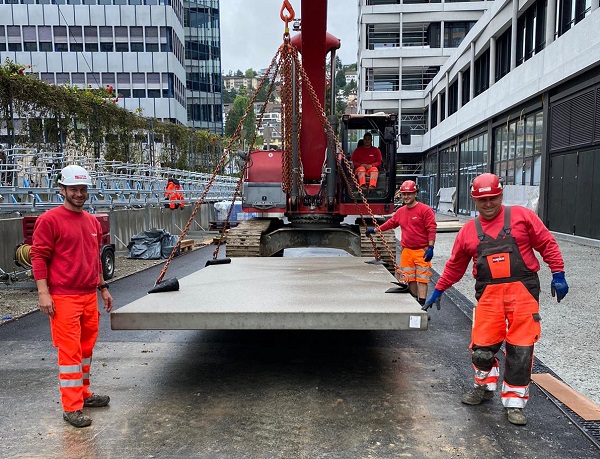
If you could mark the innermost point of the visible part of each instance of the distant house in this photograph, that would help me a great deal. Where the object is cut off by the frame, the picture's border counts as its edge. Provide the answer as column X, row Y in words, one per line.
column 351, row 76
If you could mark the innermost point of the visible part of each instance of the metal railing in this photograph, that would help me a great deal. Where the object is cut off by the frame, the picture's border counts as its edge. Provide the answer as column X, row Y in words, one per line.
column 27, row 182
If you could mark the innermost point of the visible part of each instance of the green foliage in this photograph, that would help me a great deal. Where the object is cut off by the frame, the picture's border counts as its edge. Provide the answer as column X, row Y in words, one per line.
column 91, row 119
column 235, row 116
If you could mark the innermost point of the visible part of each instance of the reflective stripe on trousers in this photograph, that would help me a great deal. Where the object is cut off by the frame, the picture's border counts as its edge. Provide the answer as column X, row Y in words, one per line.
column 414, row 267
column 74, row 332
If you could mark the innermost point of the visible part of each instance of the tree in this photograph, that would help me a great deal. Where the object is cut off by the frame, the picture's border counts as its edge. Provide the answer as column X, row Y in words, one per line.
column 229, row 95
column 262, row 94
column 239, row 73
column 250, row 73
column 240, row 104
column 340, row 79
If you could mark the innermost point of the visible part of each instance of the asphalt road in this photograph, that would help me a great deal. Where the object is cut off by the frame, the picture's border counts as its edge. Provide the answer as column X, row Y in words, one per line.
column 223, row 394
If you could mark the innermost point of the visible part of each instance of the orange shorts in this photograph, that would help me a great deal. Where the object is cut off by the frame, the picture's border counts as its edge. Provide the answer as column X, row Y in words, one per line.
column 414, row 267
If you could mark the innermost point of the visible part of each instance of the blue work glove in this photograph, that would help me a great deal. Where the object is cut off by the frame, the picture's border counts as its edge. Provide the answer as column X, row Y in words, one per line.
column 435, row 297
column 559, row 286
column 369, row 231
column 428, row 253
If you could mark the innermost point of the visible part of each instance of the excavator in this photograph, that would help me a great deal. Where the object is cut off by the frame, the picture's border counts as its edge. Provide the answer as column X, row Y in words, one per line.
column 305, row 195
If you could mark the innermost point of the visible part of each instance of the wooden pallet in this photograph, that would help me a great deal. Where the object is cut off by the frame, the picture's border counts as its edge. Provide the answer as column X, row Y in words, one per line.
column 187, row 245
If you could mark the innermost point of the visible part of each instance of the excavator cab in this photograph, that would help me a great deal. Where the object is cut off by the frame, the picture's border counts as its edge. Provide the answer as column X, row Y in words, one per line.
column 384, row 131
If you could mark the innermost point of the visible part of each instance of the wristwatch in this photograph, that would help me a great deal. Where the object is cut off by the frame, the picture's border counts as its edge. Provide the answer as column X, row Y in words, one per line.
column 103, row 286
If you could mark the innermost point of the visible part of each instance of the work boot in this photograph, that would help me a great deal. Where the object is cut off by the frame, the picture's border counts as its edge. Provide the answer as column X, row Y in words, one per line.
column 477, row 395
column 96, row 401
column 516, row 416
column 77, row 418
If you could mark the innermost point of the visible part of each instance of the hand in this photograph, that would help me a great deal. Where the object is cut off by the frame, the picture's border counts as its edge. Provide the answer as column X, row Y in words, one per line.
column 435, row 297
column 46, row 304
column 559, row 286
column 369, row 231
column 106, row 299
column 428, row 253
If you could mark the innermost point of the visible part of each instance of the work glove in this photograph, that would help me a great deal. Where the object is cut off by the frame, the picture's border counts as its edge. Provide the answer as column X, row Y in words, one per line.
column 559, row 286
column 369, row 231
column 428, row 253
column 435, row 297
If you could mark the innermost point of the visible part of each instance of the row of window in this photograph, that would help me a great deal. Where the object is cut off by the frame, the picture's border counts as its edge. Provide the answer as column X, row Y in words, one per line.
column 137, row 85
column 91, row 39
column 516, row 158
column 382, row 36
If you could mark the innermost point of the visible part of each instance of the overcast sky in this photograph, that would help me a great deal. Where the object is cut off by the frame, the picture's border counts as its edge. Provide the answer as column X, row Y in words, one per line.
column 251, row 31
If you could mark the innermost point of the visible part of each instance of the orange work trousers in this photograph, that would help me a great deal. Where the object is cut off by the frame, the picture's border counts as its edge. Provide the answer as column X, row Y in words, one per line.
column 507, row 312
column 414, row 267
column 361, row 174
column 74, row 332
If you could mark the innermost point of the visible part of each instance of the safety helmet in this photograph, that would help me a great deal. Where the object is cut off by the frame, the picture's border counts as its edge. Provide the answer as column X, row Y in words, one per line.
column 408, row 186
column 486, row 186
column 74, row 175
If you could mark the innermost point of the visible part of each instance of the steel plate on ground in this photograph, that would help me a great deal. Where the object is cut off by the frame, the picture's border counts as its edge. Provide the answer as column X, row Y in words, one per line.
column 337, row 293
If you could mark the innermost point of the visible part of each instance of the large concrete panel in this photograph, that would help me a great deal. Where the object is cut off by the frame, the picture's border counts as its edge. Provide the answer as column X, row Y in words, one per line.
column 333, row 293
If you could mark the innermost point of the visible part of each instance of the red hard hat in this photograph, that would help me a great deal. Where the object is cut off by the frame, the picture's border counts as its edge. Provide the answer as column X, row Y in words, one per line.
column 486, row 186
column 408, row 186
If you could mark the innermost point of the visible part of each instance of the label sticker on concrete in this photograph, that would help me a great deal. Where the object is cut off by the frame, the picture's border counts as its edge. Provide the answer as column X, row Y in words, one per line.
column 414, row 322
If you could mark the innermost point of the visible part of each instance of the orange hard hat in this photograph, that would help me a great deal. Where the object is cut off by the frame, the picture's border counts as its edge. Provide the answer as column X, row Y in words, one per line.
column 408, row 186
column 486, row 186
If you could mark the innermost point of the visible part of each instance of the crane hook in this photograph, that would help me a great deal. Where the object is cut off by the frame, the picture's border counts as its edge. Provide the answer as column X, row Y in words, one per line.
column 287, row 18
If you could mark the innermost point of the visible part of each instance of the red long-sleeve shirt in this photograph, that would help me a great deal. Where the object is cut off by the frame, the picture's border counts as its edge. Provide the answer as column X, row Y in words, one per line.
column 417, row 224
column 66, row 251
column 364, row 155
column 527, row 229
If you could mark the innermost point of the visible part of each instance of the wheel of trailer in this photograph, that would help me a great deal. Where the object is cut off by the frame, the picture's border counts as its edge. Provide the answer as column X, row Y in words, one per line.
column 108, row 262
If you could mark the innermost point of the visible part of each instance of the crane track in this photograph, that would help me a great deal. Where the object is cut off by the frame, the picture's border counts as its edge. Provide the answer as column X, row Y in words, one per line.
column 244, row 239
column 366, row 248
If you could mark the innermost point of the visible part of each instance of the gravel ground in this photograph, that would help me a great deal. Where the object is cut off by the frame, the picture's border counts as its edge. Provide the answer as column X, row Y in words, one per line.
column 569, row 344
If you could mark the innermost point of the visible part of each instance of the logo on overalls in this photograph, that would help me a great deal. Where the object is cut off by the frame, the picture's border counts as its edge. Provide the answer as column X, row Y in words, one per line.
column 498, row 259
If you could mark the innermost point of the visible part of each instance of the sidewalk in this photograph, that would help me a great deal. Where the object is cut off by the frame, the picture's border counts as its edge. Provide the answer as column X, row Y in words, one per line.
column 569, row 343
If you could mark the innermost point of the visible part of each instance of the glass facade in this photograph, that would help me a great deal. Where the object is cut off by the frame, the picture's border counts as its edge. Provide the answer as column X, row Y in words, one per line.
column 203, row 64
column 518, row 150
column 473, row 161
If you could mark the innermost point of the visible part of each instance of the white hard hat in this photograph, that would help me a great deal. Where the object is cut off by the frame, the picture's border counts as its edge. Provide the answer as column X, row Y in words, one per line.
column 74, row 175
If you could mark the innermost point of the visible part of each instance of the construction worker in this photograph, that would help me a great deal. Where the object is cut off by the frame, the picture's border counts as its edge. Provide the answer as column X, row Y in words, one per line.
column 65, row 256
column 367, row 159
column 501, row 243
column 417, row 223
column 174, row 194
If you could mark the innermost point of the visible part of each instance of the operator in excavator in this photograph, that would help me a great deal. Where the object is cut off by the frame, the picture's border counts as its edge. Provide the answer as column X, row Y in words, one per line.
column 501, row 242
column 418, row 225
column 366, row 160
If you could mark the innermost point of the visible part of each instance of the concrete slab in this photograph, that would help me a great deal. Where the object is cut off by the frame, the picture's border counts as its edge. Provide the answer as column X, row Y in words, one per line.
column 328, row 293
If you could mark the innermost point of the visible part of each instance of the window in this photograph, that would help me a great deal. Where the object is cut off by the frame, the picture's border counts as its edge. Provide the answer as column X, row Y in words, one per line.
column 139, row 93
column 473, row 161
column 417, row 78
column 29, row 38
column 91, row 38
column 137, row 39
column 106, row 39
column 453, row 97
column 503, row 54
column 455, row 32
column 13, row 33
column 482, row 72
column 570, row 12
column 466, row 86
column 518, row 145
column 381, row 36
column 382, row 79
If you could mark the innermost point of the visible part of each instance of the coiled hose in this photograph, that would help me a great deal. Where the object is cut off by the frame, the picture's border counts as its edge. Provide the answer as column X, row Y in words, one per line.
column 22, row 256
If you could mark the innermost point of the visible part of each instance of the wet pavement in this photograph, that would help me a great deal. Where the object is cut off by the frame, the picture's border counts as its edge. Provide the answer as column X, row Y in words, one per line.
column 268, row 394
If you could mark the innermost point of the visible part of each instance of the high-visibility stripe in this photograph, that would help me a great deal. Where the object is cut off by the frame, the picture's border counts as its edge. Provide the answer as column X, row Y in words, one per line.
column 71, row 382
column 514, row 396
column 87, row 361
column 69, row 369
column 86, row 376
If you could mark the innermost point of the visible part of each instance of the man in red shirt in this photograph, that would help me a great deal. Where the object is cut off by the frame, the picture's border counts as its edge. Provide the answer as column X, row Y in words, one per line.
column 65, row 256
column 501, row 243
column 418, row 225
column 366, row 160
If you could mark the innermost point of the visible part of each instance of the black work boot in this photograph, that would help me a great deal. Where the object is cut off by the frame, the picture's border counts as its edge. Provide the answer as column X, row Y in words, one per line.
column 96, row 401
column 477, row 395
column 77, row 418
column 516, row 416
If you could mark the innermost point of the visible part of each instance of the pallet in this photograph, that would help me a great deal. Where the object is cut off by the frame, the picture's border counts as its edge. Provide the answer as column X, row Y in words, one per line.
column 186, row 245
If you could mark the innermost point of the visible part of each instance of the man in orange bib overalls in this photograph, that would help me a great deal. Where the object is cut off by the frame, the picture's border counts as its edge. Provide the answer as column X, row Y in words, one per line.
column 501, row 243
